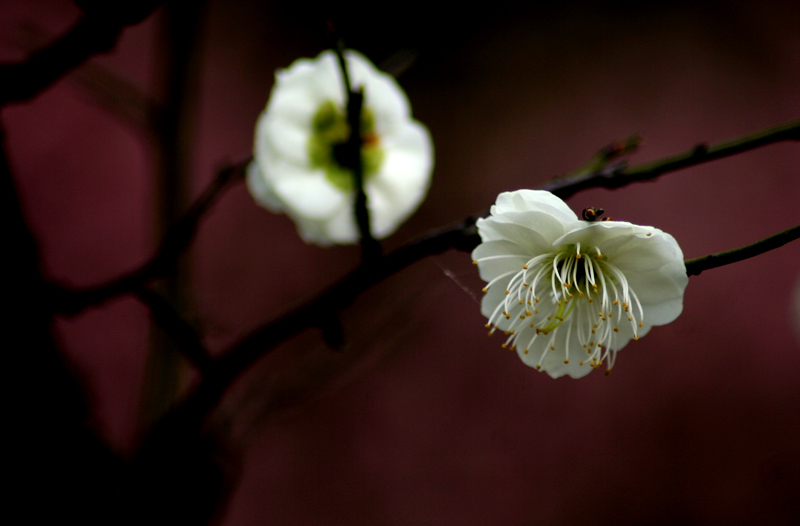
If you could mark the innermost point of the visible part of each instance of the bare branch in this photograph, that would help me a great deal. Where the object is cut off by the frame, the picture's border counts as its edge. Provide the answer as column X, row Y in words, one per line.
column 180, row 329
column 96, row 32
column 616, row 176
column 697, row 265
column 370, row 247
column 176, row 240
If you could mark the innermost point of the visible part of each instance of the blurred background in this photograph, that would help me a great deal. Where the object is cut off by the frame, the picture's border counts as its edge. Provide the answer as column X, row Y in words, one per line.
column 423, row 419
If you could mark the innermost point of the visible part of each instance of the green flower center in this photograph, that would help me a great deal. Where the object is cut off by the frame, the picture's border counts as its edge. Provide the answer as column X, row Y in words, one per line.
column 329, row 134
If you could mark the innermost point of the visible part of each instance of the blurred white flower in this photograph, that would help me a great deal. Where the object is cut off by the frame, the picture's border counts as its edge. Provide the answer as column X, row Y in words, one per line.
column 570, row 293
column 295, row 169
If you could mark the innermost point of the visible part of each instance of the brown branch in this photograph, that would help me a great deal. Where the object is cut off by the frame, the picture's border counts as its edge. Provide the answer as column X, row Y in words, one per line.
column 618, row 175
column 351, row 150
column 697, row 265
column 240, row 356
column 96, row 32
column 180, row 329
column 177, row 239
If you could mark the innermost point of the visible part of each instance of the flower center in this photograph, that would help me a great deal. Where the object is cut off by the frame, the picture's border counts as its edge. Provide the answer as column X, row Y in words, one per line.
column 330, row 132
column 582, row 294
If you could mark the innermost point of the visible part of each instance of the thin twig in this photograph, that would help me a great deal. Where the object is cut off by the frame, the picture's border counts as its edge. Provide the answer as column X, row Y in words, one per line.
column 616, row 176
column 697, row 265
column 370, row 247
column 176, row 240
column 96, row 32
column 180, row 329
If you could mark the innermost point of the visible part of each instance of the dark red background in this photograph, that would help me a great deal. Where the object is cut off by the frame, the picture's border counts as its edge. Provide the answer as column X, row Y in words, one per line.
column 424, row 420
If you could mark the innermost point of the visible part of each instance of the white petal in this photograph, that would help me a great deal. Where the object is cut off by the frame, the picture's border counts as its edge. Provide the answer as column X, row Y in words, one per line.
column 319, row 78
column 553, row 363
column 491, row 268
column 533, row 232
column 261, row 189
column 402, row 182
column 492, row 299
column 382, row 94
column 283, row 139
column 534, row 201
column 308, row 194
column 341, row 227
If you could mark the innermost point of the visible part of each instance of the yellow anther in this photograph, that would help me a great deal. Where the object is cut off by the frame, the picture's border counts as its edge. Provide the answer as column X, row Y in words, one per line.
column 616, row 329
column 525, row 267
column 641, row 324
column 525, row 351
column 522, row 302
column 552, row 348
column 508, row 291
column 566, row 361
column 484, row 289
column 475, row 262
column 538, row 367
column 630, row 318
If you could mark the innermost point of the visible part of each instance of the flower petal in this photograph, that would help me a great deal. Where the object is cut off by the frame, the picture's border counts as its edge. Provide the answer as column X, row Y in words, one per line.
column 287, row 179
column 501, row 257
column 308, row 194
column 261, row 189
column 534, row 201
column 400, row 185
column 533, row 230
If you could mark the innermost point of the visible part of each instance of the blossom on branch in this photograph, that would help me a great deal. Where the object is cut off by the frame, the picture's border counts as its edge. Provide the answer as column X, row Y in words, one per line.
column 569, row 293
column 296, row 167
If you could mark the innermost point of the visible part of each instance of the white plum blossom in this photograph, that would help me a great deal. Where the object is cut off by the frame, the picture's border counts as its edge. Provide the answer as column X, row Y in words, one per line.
column 296, row 170
column 570, row 293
